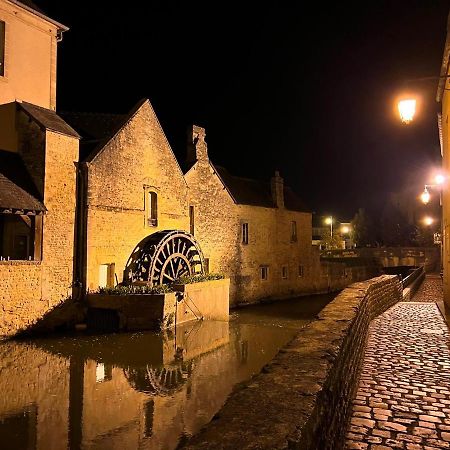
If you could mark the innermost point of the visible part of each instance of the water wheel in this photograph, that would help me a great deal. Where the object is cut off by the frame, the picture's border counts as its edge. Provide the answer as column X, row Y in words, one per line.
column 164, row 257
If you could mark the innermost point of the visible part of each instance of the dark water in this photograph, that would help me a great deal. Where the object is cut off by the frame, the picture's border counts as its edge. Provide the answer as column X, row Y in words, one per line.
column 139, row 390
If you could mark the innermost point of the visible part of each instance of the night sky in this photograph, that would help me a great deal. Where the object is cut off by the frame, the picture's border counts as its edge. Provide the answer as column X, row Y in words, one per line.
column 309, row 91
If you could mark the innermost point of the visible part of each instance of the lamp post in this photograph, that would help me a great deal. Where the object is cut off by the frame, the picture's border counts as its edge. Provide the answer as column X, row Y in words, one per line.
column 329, row 221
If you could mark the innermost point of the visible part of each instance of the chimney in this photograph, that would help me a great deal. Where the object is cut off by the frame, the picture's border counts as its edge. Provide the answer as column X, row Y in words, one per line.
column 277, row 190
column 197, row 150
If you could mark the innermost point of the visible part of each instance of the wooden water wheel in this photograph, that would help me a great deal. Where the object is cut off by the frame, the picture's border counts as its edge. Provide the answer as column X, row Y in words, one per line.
column 164, row 257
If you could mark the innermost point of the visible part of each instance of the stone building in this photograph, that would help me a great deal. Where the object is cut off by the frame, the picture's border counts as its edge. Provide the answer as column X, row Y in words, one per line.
column 37, row 171
column 76, row 215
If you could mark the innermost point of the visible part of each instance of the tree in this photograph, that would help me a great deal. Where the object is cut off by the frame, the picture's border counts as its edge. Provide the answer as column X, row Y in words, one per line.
column 395, row 229
column 362, row 232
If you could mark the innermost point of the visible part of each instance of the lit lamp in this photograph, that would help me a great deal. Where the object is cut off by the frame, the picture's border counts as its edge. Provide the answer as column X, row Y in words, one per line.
column 428, row 221
column 345, row 229
column 329, row 221
column 407, row 110
column 425, row 196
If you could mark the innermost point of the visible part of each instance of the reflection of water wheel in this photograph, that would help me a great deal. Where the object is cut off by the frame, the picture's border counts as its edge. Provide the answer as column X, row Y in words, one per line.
column 164, row 257
column 158, row 380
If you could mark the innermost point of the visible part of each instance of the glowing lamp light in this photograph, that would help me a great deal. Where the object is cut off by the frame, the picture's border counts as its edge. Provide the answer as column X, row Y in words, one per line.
column 428, row 221
column 407, row 109
column 345, row 229
column 439, row 178
column 329, row 220
column 425, row 196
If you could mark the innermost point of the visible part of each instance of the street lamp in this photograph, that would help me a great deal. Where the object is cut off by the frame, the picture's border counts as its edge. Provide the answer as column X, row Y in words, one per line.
column 329, row 221
column 407, row 109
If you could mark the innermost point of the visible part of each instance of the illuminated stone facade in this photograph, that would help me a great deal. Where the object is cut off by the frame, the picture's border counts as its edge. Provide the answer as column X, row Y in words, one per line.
column 444, row 100
column 28, row 53
column 84, row 208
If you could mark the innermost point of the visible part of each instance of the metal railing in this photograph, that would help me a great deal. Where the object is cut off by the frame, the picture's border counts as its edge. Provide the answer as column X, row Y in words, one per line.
column 413, row 276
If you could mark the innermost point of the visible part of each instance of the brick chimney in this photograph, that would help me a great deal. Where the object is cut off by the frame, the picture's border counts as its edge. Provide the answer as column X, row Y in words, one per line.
column 197, row 150
column 277, row 190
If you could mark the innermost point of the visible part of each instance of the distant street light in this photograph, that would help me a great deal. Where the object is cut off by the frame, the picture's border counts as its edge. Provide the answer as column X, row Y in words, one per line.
column 428, row 221
column 329, row 221
column 345, row 229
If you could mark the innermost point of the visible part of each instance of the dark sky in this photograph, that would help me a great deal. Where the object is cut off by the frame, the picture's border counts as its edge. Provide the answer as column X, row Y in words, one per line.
column 306, row 90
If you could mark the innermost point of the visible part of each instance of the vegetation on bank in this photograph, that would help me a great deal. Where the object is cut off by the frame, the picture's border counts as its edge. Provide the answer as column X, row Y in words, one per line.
column 156, row 289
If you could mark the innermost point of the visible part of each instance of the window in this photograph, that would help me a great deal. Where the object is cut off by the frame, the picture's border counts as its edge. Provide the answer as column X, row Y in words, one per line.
column 106, row 275
column 2, row 49
column 152, row 209
column 20, row 237
column 284, row 272
column 206, row 265
column 245, row 233
column 293, row 231
column 301, row 271
column 264, row 270
column 191, row 220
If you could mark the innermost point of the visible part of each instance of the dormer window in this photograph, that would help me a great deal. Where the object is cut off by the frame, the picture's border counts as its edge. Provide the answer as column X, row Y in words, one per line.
column 2, row 49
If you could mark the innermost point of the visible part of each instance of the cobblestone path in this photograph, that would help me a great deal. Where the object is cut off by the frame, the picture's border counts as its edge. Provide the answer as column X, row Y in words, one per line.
column 403, row 399
column 431, row 289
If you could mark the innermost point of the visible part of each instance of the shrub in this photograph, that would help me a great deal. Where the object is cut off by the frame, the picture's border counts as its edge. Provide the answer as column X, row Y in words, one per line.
column 199, row 278
column 132, row 289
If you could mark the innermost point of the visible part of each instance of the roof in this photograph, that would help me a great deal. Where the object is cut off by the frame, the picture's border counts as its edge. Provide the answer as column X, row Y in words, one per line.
column 293, row 202
column 48, row 119
column 246, row 191
column 17, row 190
column 97, row 129
column 30, row 6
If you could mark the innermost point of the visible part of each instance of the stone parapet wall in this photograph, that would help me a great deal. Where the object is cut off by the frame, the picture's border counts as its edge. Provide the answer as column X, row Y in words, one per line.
column 302, row 398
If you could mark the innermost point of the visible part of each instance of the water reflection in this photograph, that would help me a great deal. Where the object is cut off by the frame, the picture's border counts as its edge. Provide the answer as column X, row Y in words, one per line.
column 136, row 391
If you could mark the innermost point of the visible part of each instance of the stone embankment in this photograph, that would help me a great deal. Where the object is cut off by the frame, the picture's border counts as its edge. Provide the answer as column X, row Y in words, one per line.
column 302, row 398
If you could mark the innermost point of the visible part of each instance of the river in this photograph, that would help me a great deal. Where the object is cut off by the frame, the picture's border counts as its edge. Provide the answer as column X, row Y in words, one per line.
column 137, row 390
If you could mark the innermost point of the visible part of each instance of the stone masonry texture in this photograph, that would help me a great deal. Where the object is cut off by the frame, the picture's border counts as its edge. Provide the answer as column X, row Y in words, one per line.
column 302, row 398
column 403, row 397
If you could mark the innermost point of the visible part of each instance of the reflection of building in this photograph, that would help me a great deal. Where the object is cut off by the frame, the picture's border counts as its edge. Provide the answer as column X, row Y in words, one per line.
column 125, row 391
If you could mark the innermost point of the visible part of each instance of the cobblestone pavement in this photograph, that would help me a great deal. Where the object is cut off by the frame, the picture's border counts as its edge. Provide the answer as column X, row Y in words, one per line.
column 403, row 398
column 431, row 289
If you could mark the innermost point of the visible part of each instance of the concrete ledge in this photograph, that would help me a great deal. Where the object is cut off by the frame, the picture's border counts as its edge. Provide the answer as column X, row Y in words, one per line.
column 302, row 398
column 206, row 300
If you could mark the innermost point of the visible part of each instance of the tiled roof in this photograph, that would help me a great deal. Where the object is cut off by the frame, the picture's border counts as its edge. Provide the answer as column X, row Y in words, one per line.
column 17, row 190
column 48, row 119
column 246, row 191
column 31, row 5
column 97, row 129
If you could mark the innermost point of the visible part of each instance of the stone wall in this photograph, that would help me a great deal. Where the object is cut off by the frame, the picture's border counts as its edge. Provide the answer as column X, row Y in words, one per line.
column 20, row 294
column 30, row 57
column 29, row 289
column 301, row 399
